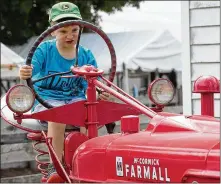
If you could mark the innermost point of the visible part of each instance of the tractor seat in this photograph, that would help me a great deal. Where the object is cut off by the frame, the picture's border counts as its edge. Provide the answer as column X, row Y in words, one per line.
column 32, row 124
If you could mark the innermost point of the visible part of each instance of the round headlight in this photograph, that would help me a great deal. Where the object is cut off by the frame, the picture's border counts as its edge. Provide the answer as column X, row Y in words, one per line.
column 161, row 91
column 20, row 99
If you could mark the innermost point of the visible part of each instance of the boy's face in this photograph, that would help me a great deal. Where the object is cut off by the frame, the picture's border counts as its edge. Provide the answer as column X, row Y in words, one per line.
column 67, row 36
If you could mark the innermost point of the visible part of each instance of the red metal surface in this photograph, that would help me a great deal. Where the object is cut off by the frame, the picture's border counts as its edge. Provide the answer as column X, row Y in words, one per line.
column 62, row 114
column 203, row 118
column 108, row 112
column 213, row 159
column 150, row 156
column 72, row 142
column 94, row 166
column 201, row 176
column 130, row 124
column 41, row 165
column 207, row 104
column 207, row 86
column 59, row 168
column 92, row 121
column 35, row 136
column 87, row 70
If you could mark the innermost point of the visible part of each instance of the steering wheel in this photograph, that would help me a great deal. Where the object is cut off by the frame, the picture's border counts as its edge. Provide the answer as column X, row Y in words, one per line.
column 47, row 32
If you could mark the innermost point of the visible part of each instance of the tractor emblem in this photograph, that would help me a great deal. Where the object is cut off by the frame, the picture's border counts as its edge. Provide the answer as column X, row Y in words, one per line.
column 65, row 7
column 119, row 166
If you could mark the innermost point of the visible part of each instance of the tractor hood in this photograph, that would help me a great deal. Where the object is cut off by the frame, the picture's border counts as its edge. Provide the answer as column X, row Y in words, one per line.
column 167, row 143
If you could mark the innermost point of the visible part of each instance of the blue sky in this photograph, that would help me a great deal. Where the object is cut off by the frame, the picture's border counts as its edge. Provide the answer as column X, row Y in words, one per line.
column 151, row 15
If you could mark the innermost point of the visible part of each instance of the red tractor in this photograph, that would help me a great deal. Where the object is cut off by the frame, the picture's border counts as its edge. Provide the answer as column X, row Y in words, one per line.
column 172, row 148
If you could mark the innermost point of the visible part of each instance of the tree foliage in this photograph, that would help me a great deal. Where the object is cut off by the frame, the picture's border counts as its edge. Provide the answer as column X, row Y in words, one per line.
column 22, row 19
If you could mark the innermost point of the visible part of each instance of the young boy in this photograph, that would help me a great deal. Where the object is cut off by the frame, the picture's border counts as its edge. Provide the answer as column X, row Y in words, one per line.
column 55, row 56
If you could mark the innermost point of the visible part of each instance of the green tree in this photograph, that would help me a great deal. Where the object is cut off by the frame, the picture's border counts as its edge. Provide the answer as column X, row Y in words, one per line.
column 22, row 19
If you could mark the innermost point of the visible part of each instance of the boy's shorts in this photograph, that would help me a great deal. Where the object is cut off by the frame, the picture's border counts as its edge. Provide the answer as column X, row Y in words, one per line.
column 55, row 103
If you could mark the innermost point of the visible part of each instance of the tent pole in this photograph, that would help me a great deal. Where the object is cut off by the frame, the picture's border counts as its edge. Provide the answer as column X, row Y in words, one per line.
column 148, row 83
column 126, row 80
column 157, row 75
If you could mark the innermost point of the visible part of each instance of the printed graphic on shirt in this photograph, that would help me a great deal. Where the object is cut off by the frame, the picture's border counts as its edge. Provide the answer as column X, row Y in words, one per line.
column 73, row 85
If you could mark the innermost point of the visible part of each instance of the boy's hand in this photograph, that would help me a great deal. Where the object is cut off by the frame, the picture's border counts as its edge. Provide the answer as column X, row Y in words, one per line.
column 25, row 72
column 104, row 96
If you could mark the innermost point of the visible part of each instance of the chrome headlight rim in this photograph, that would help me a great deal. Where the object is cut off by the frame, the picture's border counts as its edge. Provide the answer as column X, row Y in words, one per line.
column 156, row 82
column 8, row 98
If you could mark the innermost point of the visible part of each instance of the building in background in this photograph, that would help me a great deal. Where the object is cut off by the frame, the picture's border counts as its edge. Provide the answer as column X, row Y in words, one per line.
column 201, row 49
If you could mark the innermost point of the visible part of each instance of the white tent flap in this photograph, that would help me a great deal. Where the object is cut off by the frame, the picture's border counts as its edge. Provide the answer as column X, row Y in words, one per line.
column 9, row 57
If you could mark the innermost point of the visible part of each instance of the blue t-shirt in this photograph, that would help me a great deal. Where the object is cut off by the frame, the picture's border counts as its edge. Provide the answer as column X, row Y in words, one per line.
column 47, row 60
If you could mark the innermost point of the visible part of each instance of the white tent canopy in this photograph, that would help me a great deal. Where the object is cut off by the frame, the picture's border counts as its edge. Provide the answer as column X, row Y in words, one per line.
column 9, row 57
column 9, row 62
column 148, row 50
column 162, row 53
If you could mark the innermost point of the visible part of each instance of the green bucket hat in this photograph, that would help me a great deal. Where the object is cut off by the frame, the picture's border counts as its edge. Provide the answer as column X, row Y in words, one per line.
column 64, row 10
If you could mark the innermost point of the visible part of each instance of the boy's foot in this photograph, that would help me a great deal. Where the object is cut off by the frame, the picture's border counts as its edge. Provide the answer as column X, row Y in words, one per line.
column 53, row 176
column 110, row 127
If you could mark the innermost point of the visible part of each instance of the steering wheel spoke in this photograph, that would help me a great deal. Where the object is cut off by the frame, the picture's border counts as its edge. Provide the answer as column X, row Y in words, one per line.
column 48, row 76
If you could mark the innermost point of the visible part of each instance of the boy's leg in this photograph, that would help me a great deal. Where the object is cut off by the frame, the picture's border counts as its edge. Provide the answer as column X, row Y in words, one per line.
column 56, row 131
column 110, row 127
